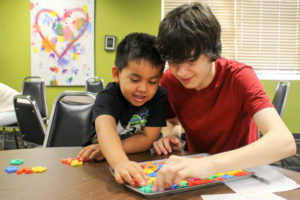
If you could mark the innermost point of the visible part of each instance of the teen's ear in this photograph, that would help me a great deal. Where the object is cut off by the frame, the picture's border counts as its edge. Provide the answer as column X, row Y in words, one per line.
column 115, row 74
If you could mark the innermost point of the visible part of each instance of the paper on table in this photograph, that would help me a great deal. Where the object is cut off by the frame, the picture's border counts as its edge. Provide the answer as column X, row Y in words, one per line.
column 278, row 182
column 244, row 196
column 233, row 196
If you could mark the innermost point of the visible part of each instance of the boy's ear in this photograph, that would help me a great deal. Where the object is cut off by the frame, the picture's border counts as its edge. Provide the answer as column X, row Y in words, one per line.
column 115, row 74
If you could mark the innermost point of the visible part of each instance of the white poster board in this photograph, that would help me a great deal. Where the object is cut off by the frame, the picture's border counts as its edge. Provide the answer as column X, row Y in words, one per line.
column 62, row 41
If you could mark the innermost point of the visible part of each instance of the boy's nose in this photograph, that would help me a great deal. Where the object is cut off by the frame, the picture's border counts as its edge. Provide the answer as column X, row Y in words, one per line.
column 142, row 87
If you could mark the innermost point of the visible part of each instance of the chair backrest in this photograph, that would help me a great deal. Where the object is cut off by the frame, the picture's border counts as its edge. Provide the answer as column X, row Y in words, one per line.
column 29, row 119
column 70, row 119
column 34, row 86
column 94, row 84
column 280, row 96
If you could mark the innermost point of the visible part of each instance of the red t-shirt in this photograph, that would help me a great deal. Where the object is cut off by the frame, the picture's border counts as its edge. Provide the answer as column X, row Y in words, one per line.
column 218, row 118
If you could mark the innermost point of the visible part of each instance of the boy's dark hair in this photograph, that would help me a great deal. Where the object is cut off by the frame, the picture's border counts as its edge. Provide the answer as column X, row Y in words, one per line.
column 138, row 46
column 189, row 31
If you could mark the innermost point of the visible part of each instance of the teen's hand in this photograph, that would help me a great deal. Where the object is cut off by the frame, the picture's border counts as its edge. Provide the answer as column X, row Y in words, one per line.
column 91, row 152
column 166, row 144
column 179, row 168
column 126, row 171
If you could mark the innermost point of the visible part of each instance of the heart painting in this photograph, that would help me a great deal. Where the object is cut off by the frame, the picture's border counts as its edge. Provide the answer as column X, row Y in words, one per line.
column 66, row 29
column 62, row 41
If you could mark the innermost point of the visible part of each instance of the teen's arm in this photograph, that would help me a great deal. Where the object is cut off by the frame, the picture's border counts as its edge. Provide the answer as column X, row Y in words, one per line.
column 277, row 143
column 170, row 140
column 173, row 127
column 111, row 147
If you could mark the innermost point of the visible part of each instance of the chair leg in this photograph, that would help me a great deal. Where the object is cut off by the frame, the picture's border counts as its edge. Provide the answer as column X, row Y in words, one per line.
column 25, row 144
column 2, row 139
column 16, row 138
column 4, row 135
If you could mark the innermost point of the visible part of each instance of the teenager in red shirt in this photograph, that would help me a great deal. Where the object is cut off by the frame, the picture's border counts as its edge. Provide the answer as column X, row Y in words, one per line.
column 220, row 103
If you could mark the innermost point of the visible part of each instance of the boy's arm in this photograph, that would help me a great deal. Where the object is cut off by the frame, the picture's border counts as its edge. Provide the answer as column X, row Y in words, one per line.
column 133, row 144
column 90, row 152
column 111, row 148
column 170, row 140
column 141, row 142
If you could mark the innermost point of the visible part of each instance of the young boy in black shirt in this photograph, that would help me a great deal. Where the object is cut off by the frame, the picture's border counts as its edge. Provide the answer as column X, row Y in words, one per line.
column 128, row 114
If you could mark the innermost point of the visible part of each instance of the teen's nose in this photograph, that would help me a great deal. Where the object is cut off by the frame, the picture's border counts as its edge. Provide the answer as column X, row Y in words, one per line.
column 181, row 70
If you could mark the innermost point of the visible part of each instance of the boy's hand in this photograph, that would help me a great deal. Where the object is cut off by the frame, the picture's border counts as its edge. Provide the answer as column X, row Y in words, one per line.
column 166, row 144
column 126, row 170
column 178, row 168
column 91, row 152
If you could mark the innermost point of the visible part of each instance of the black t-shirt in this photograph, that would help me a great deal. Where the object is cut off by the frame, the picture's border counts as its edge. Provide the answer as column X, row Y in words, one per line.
column 130, row 119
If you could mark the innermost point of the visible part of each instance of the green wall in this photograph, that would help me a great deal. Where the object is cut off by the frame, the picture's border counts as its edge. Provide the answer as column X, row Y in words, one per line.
column 112, row 17
column 291, row 114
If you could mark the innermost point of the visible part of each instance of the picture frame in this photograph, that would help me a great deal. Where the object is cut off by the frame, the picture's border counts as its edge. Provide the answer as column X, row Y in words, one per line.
column 110, row 43
column 64, row 63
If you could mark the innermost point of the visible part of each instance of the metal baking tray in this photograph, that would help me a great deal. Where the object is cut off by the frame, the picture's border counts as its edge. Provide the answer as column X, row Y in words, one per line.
column 184, row 189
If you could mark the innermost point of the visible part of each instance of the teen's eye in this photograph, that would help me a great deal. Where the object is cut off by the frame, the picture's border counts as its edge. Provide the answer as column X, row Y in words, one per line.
column 190, row 62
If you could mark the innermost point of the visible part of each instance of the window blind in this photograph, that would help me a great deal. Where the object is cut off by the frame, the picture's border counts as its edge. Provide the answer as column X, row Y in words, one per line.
column 260, row 33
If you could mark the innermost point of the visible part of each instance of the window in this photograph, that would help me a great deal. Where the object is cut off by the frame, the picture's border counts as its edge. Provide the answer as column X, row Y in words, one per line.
column 261, row 33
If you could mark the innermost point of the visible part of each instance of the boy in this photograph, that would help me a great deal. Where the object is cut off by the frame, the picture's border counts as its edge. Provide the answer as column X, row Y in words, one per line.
column 128, row 114
column 220, row 103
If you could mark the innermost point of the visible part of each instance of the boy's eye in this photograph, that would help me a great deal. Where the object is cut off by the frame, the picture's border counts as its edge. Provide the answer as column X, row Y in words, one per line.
column 134, row 80
column 152, row 82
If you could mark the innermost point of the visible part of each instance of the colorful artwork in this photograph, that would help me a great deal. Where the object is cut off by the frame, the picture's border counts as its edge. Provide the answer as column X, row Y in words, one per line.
column 62, row 41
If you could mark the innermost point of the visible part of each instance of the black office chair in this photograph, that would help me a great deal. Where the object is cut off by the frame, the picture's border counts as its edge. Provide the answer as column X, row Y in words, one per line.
column 34, row 86
column 29, row 119
column 70, row 119
column 280, row 96
column 94, row 84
